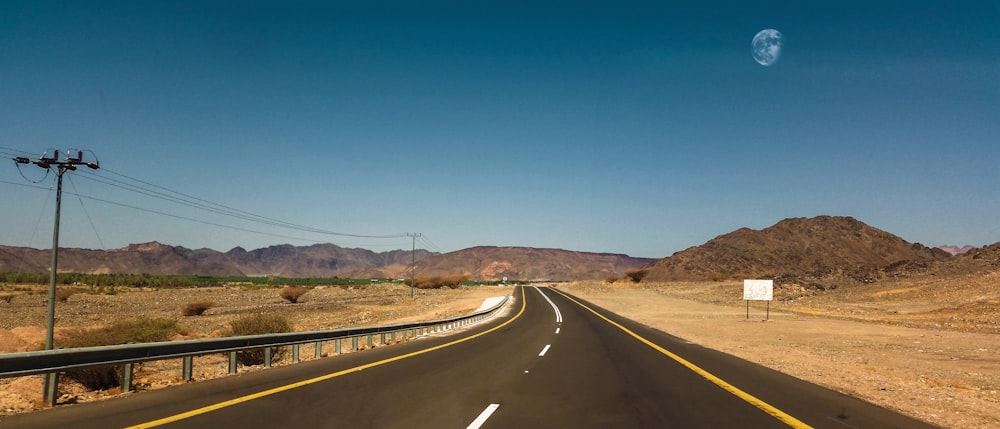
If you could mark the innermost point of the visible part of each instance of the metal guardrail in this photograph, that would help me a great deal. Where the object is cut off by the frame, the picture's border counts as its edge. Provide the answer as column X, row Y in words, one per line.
column 59, row 360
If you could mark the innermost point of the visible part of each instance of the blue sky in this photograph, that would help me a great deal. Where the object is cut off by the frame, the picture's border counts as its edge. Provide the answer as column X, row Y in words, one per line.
column 629, row 127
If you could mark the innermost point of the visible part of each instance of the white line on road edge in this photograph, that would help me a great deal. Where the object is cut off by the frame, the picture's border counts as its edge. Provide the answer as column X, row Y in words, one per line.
column 483, row 416
column 545, row 349
column 554, row 308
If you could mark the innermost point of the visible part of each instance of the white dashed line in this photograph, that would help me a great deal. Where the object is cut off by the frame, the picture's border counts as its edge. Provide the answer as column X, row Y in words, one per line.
column 483, row 416
column 545, row 350
column 557, row 330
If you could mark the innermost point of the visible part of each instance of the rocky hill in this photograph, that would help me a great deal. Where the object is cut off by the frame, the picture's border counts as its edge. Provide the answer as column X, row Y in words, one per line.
column 318, row 260
column 526, row 263
column 802, row 250
column 326, row 260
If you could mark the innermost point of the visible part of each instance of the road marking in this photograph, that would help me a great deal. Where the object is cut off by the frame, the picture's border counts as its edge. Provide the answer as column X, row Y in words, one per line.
column 557, row 330
column 545, row 350
column 250, row 397
column 752, row 400
column 554, row 308
column 483, row 416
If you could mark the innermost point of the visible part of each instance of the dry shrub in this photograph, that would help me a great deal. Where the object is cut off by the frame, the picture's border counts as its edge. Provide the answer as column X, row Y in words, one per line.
column 611, row 280
column 636, row 275
column 143, row 330
column 7, row 297
column 453, row 282
column 718, row 277
column 197, row 308
column 258, row 324
column 63, row 294
column 293, row 293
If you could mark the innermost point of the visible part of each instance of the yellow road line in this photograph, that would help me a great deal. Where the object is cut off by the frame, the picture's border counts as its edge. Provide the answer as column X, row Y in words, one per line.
column 242, row 399
column 764, row 406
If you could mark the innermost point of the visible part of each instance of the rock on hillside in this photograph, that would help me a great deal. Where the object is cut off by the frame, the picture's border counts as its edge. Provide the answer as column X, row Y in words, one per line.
column 526, row 263
column 799, row 249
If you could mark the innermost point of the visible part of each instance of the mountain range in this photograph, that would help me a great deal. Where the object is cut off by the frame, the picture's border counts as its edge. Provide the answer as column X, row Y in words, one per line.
column 326, row 260
column 803, row 250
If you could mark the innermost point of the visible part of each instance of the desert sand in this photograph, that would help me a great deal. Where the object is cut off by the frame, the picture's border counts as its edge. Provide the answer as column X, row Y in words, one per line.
column 892, row 343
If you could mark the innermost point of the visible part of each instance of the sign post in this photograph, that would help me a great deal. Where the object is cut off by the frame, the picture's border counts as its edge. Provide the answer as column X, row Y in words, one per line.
column 758, row 290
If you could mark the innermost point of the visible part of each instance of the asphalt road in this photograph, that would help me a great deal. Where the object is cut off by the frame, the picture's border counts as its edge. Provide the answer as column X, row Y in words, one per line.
column 555, row 364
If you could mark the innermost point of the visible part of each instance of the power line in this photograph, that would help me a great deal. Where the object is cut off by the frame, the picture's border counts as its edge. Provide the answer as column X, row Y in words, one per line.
column 431, row 244
column 87, row 213
column 225, row 210
column 192, row 219
column 142, row 187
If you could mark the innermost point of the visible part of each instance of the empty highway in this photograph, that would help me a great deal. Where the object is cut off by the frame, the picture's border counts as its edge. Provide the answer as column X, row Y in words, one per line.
column 551, row 362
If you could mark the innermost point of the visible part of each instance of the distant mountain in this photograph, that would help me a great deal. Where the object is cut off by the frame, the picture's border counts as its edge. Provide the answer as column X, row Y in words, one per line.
column 526, row 263
column 799, row 249
column 326, row 260
column 986, row 258
column 955, row 250
column 319, row 260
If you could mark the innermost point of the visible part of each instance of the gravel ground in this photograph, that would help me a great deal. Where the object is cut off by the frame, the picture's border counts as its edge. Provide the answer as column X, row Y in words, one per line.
column 891, row 344
column 22, row 322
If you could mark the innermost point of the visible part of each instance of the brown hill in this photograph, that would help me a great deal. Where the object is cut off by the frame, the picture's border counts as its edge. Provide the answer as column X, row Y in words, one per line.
column 320, row 260
column 526, row 263
column 800, row 250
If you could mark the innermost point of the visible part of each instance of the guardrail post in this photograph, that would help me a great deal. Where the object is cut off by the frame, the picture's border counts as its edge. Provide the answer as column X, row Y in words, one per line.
column 319, row 350
column 337, row 346
column 187, row 368
column 354, row 344
column 51, row 381
column 295, row 353
column 232, row 362
column 392, row 337
column 369, row 340
column 268, row 351
column 383, row 339
column 127, row 377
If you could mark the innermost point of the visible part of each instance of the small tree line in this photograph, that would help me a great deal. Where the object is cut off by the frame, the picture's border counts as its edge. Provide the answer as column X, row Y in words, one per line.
column 174, row 281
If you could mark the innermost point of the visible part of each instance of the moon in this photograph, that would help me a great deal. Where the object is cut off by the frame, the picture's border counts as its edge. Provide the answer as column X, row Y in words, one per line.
column 767, row 46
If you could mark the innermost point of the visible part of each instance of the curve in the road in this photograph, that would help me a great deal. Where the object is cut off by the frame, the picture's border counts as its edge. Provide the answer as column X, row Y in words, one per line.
column 242, row 399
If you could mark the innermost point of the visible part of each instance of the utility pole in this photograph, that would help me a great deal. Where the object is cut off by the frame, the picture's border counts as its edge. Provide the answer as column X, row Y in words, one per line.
column 68, row 163
column 413, row 261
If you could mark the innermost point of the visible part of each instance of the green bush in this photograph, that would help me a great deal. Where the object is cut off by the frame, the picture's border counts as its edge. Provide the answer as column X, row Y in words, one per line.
column 258, row 324
column 143, row 330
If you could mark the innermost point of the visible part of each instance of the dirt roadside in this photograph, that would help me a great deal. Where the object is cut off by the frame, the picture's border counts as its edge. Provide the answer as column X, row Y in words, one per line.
column 22, row 322
column 943, row 376
column 902, row 345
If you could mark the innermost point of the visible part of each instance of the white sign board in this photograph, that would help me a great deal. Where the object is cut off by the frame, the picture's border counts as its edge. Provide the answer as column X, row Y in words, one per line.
column 758, row 290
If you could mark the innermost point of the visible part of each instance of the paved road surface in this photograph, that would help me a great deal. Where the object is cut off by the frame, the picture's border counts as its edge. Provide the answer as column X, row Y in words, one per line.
column 552, row 362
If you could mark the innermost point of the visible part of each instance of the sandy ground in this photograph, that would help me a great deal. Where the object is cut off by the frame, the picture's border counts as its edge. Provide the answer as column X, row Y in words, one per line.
column 943, row 376
column 905, row 345
column 22, row 324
